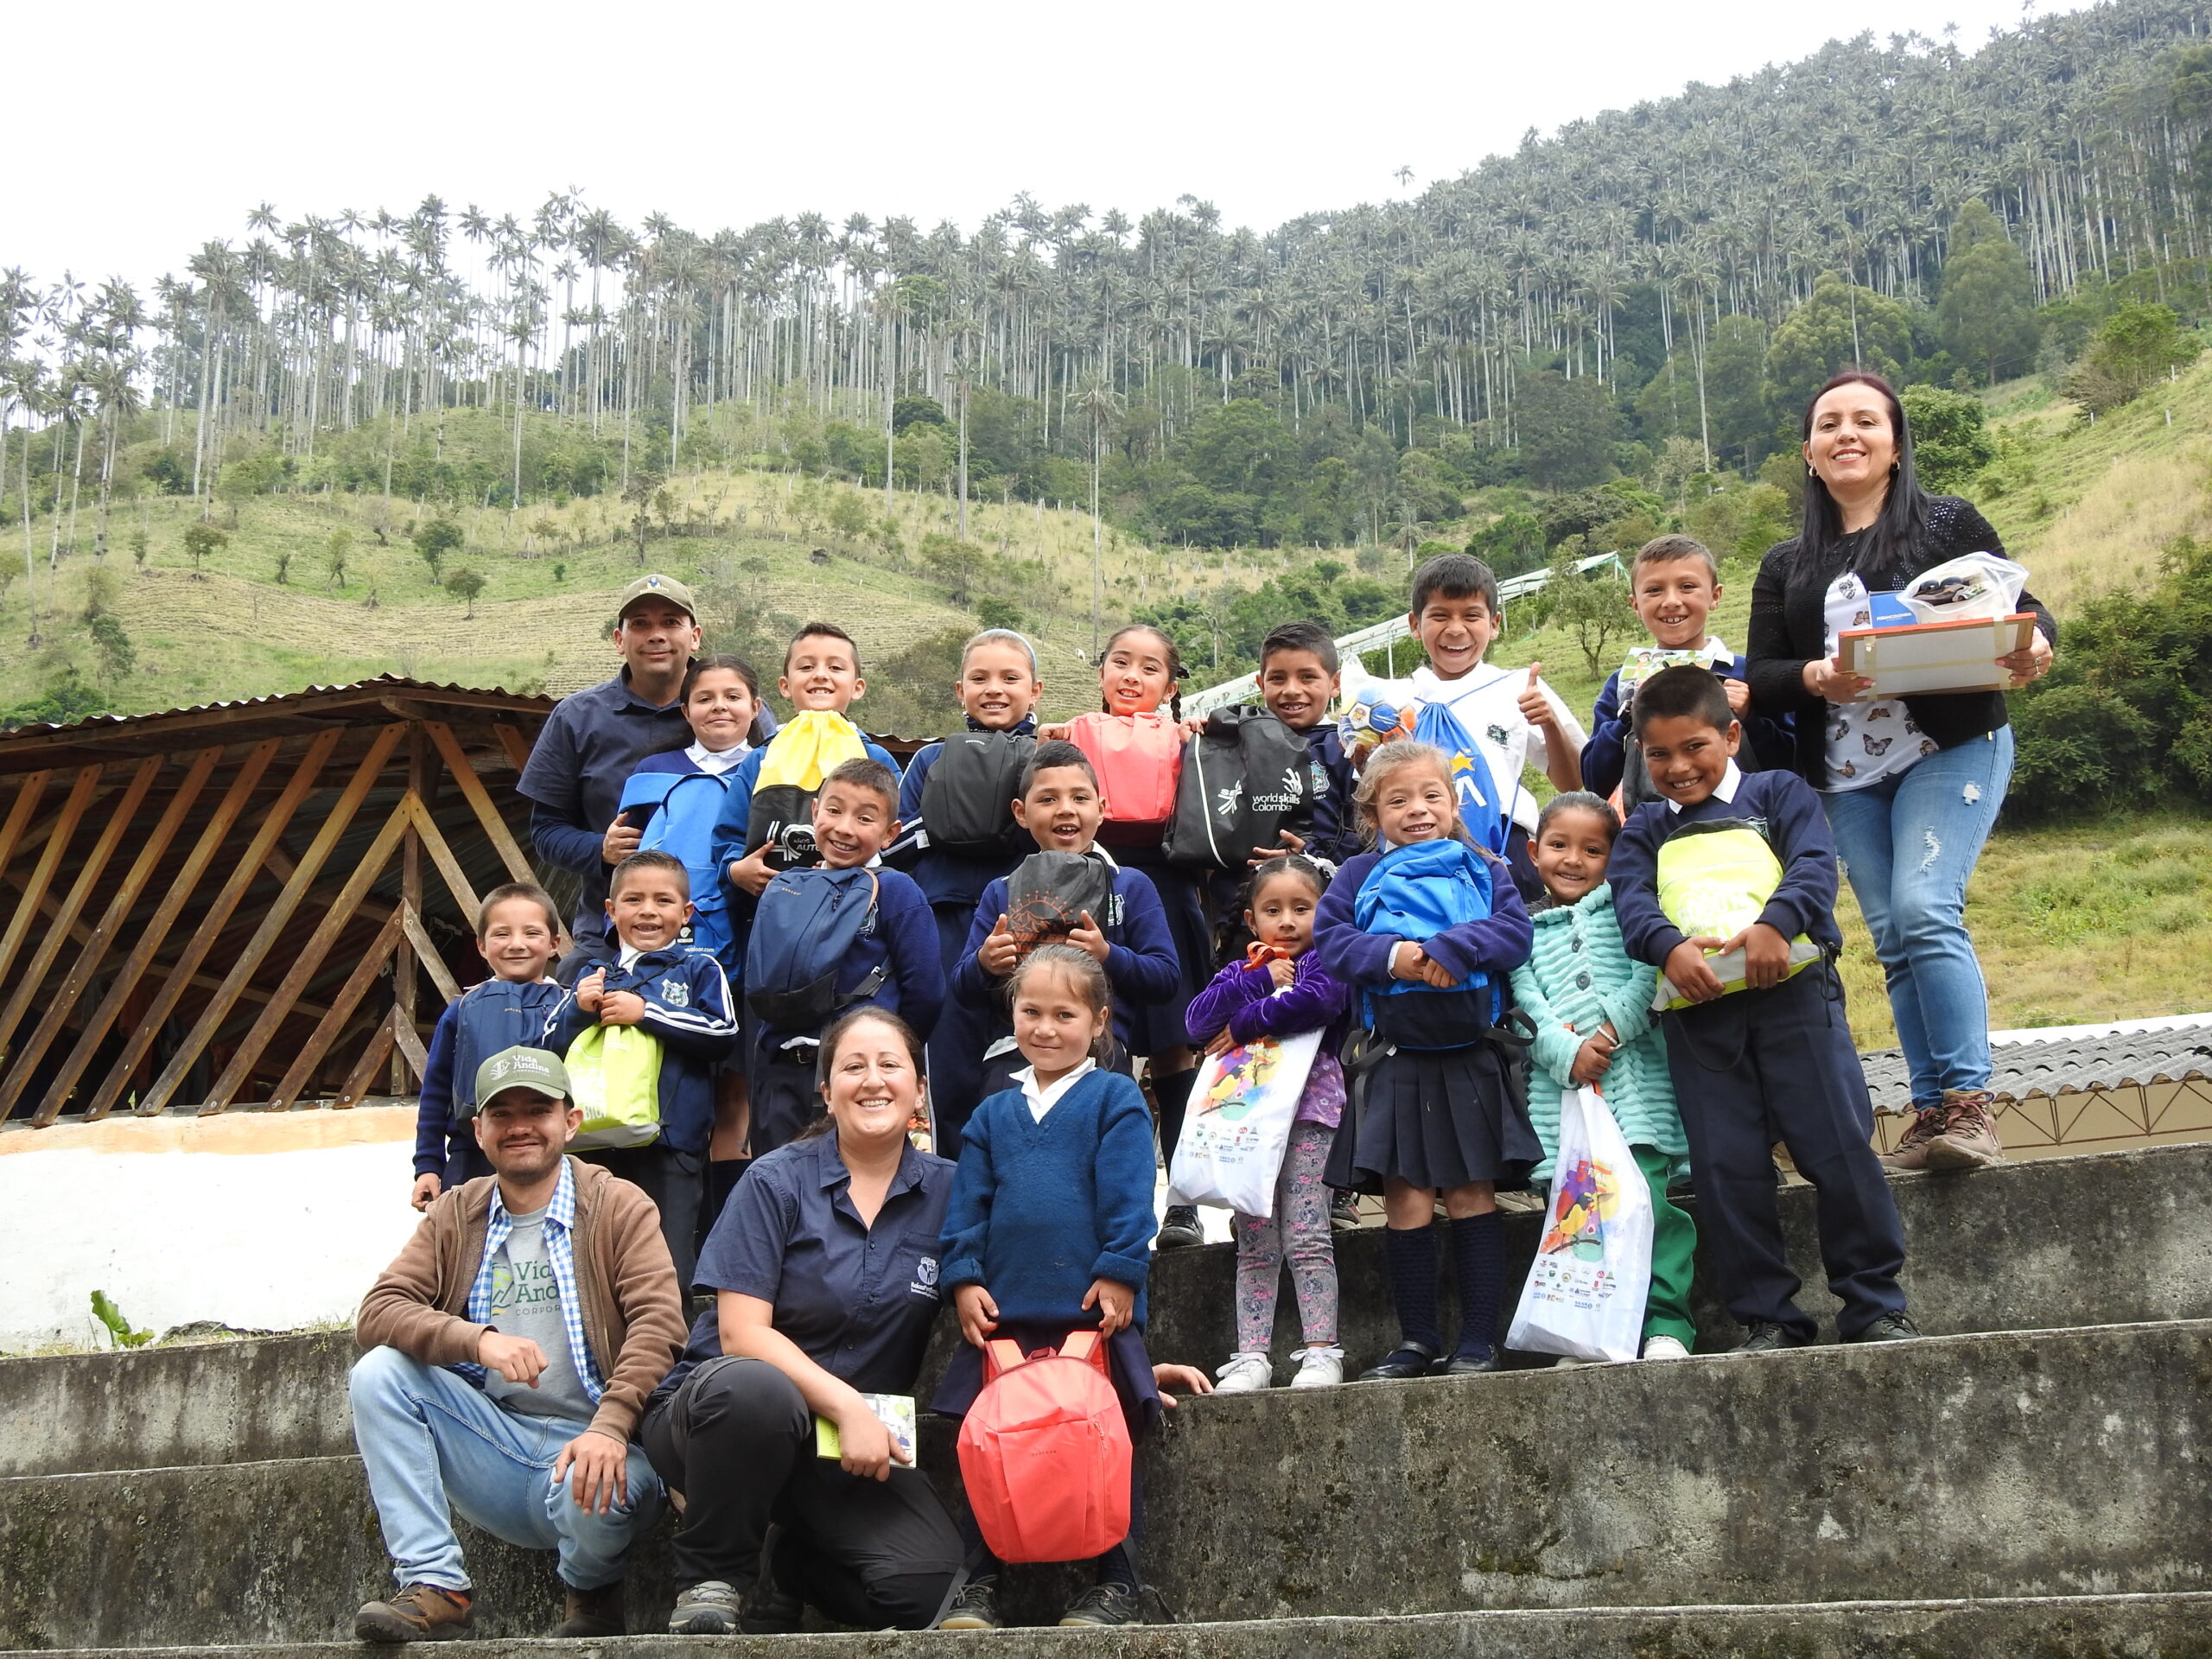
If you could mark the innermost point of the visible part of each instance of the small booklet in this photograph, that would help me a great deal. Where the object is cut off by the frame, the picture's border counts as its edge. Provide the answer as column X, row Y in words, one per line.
column 894, row 1411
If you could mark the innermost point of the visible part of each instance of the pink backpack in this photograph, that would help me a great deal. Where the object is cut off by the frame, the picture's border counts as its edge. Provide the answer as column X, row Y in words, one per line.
column 1045, row 1453
column 1139, row 760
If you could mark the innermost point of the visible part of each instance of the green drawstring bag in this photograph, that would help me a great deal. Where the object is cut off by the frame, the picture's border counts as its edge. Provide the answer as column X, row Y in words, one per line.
column 614, row 1079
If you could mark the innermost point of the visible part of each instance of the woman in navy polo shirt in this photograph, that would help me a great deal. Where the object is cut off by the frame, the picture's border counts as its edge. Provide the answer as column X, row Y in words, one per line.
column 824, row 1267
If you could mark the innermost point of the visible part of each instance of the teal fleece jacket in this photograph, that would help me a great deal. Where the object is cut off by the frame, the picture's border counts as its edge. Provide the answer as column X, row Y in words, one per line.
column 1580, row 975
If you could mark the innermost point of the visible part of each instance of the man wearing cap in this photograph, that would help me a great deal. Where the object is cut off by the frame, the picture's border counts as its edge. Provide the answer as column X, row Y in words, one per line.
column 594, row 739
column 511, row 1346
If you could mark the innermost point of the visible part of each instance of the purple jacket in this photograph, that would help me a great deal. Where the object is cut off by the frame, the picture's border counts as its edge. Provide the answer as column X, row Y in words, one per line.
column 1498, row 944
column 1245, row 1000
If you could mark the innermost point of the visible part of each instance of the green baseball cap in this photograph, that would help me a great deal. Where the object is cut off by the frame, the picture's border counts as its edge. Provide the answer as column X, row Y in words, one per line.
column 658, row 587
column 533, row 1069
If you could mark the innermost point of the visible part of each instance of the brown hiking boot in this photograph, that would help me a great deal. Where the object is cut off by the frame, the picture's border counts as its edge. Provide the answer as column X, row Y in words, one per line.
column 591, row 1612
column 421, row 1612
column 1911, row 1150
column 1967, row 1139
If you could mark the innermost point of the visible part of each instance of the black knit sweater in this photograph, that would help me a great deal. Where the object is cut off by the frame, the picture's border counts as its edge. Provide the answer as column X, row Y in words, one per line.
column 1788, row 629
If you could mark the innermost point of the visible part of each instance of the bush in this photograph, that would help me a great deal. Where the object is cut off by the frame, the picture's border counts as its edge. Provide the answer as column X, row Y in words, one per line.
column 2123, row 719
column 1950, row 437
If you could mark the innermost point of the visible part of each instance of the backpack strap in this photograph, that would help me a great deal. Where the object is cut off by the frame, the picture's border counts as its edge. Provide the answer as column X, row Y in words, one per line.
column 876, row 975
column 1089, row 1348
column 1000, row 1355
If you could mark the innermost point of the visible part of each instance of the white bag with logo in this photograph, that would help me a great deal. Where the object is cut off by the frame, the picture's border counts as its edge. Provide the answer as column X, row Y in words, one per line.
column 1238, row 1124
column 1592, row 1273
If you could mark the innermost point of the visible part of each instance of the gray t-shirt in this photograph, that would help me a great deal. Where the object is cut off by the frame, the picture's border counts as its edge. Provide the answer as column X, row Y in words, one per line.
column 526, row 1302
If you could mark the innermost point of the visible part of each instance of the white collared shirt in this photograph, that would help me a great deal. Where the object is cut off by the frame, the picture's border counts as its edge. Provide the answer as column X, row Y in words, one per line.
column 1731, row 780
column 627, row 955
column 1042, row 1101
column 715, row 762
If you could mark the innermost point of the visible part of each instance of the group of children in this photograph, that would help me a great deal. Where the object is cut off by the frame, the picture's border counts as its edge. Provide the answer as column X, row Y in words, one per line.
column 1461, row 987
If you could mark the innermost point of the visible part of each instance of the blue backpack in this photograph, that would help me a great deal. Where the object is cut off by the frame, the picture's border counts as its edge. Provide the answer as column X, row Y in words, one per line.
column 490, row 1018
column 1472, row 782
column 684, row 807
column 1416, row 893
column 808, row 923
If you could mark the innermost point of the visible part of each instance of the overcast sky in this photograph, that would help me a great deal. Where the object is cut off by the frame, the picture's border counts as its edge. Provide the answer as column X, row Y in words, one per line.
column 140, row 130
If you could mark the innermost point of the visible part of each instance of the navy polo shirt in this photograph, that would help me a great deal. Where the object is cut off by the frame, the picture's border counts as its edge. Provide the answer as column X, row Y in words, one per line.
column 859, row 1301
column 589, row 747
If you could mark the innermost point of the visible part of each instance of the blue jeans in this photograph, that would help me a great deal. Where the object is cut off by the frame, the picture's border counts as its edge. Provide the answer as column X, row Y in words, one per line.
column 434, row 1444
column 1909, row 843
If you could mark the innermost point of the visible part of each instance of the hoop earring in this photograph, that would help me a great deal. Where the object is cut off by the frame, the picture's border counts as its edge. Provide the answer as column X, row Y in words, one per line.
column 1809, row 473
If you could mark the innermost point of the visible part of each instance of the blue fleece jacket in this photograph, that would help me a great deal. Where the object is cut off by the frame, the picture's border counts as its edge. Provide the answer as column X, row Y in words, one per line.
column 1040, row 1210
column 688, row 1006
column 903, row 939
column 1769, row 740
column 1796, row 829
column 1140, row 963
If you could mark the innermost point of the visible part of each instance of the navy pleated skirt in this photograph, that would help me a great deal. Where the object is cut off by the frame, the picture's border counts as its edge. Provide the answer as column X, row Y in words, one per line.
column 1434, row 1118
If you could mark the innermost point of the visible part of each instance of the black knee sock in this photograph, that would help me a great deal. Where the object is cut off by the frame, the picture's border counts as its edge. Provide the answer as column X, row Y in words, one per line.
column 1478, row 1262
column 1409, row 1255
column 1173, row 1094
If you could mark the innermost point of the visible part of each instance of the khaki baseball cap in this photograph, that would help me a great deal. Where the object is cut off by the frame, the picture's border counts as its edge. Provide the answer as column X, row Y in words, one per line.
column 533, row 1069
column 658, row 587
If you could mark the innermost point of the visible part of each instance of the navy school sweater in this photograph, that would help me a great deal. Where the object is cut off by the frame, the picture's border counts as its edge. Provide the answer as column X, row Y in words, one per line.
column 1796, row 829
column 688, row 1008
column 1040, row 1210
column 1141, row 962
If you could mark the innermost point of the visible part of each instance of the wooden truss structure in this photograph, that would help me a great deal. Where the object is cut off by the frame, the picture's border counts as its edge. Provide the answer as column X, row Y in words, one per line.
column 240, row 903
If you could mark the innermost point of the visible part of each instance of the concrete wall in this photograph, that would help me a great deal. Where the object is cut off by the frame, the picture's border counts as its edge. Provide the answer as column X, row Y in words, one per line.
column 258, row 1220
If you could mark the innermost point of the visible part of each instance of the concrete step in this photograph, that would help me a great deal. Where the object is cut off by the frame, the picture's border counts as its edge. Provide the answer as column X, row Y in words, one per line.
column 2067, row 1627
column 2108, row 1239
column 2002, row 1465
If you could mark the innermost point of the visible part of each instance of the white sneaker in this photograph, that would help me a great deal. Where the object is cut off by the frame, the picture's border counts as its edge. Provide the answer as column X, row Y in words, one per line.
column 1245, row 1374
column 1664, row 1348
column 1319, row 1368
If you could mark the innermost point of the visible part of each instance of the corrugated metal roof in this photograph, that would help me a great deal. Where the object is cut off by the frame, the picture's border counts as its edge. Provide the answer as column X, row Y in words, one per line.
column 379, row 682
column 2065, row 1065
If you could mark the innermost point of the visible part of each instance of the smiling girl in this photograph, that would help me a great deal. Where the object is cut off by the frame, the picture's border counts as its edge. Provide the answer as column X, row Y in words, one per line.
column 1433, row 1109
column 1138, row 672
column 1590, row 1002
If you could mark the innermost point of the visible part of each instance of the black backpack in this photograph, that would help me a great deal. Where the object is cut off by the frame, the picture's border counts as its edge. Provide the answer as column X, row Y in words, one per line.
column 1048, row 893
column 807, row 925
column 967, row 797
column 1246, row 778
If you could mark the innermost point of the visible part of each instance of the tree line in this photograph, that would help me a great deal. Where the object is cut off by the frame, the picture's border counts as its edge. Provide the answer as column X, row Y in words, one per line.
column 1676, row 274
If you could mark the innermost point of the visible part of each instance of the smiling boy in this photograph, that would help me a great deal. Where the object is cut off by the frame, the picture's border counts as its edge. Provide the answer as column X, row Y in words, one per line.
column 894, row 965
column 1060, row 807
column 1514, row 717
column 1772, row 1058
column 1298, row 678
column 1673, row 584
column 680, row 998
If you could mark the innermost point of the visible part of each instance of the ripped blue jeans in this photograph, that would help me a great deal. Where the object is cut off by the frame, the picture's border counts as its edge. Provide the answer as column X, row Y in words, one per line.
column 1909, row 844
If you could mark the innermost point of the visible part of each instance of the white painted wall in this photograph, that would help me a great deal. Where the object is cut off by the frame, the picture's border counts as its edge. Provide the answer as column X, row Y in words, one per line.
column 259, row 1220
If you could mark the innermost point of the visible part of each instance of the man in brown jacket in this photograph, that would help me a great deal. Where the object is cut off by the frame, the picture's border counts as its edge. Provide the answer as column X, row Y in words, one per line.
column 511, row 1348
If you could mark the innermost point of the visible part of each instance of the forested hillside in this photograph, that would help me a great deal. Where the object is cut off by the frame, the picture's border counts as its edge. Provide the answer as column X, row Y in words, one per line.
column 1607, row 333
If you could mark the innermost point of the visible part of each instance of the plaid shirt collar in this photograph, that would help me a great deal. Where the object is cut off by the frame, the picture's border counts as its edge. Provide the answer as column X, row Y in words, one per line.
column 557, row 1230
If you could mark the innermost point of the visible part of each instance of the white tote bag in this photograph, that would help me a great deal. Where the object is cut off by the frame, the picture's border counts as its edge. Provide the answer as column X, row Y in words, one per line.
column 1585, row 1292
column 1239, row 1122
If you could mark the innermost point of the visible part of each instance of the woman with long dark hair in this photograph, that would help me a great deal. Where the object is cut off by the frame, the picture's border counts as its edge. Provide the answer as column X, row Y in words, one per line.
column 1912, row 784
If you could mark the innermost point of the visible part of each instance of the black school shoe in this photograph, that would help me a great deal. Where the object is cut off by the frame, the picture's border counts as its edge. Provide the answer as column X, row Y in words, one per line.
column 1105, row 1604
column 1767, row 1337
column 976, row 1608
column 1469, row 1365
column 1891, row 1327
column 1407, row 1359
column 1179, row 1228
